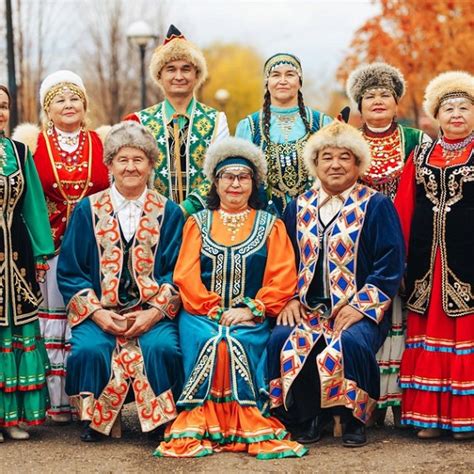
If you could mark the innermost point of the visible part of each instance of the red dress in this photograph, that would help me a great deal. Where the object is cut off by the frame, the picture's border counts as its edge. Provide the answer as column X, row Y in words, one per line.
column 437, row 370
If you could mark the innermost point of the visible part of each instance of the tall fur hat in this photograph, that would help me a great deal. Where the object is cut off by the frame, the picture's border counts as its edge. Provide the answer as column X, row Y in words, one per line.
column 176, row 47
column 375, row 75
column 340, row 135
column 129, row 134
column 234, row 147
column 447, row 85
column 59, row 77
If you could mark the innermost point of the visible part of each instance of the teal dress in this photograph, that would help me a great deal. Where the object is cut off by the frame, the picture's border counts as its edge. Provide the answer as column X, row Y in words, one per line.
column 287, row 176
column 25, row 239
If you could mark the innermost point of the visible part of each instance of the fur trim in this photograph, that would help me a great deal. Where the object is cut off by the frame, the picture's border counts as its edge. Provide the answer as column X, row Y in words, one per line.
column 234, row 146
column 131, row 134
column 28, row 134
column 56, row 78
column 102, row 131
column 374, row 75
column 178, row 49
column 449, row 82
column 340, row 135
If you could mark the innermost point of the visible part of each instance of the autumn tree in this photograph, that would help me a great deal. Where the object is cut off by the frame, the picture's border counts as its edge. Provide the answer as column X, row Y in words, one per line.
column 421, row 37
column 238, row 69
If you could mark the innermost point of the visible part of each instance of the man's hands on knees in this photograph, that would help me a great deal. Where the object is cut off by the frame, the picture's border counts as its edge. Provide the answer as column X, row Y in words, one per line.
column 345, row 318
column 292, row 313
column 109, row 321
column 144, row 320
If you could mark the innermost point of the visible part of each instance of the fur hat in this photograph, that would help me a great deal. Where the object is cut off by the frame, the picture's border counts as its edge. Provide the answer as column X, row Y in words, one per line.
column 234, row 147
column 447, row 85
column 132, row 134
column 176, row 47
column 340, row 135
column 59, row 77
column 372, row 76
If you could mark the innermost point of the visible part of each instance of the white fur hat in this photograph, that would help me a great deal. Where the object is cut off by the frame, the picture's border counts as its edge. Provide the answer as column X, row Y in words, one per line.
column 447, row 85
column 59, row 77
column 340, row 135
column 236, row 148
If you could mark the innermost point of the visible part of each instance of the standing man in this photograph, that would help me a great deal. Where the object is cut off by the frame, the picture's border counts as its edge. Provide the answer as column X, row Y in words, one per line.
column 350, row 254
column 183, row 127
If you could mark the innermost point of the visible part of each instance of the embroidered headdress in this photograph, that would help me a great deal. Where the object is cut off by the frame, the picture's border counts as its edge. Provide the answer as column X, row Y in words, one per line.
column 448, row 85
column 282, row 59
column 57, row 82
column 340, row 135
column 176, row 47
column 233, row 151
column 375, row 76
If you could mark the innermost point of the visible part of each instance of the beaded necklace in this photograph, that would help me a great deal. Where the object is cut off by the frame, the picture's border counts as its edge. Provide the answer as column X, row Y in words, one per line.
column 69, row 160
column 451, row 151
column 233, row 222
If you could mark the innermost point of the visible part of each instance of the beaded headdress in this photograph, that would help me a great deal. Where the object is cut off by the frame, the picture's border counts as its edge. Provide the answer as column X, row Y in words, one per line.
column 282, row 59
column 56, row 83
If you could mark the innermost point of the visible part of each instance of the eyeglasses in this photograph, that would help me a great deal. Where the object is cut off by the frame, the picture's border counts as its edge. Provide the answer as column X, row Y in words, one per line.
column 229, row 178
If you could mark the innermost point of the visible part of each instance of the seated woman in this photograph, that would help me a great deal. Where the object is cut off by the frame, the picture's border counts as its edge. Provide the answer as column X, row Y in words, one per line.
column 235, row 267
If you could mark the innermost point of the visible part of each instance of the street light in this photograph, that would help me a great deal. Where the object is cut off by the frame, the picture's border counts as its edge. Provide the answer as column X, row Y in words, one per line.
column 139, row 34
column 222, row 96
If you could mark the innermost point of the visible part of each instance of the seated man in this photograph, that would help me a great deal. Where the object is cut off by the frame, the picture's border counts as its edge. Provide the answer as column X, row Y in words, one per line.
column 115, row 274
column 349, row 251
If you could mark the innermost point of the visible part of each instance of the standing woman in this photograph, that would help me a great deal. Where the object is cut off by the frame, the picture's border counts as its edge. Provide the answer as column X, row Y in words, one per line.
column 281, row 129
column 69, row 162
column 376, row 89
column 436, row 208
column 25, row 243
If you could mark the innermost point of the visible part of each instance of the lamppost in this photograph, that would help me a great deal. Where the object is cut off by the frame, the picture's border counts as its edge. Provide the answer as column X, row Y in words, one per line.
column 222, row 96
column 139, row 34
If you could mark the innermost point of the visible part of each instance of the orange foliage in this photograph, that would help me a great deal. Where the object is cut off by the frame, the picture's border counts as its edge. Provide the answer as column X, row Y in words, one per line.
column 421, row 37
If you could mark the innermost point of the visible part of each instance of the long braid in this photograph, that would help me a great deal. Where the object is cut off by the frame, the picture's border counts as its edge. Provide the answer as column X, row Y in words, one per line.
column 266, row 115
column 303, row 112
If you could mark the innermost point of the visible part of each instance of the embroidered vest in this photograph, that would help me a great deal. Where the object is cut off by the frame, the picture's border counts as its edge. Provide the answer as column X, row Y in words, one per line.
column 443, row 220
column 202, row 127
column 19, row 293
column 236, row 271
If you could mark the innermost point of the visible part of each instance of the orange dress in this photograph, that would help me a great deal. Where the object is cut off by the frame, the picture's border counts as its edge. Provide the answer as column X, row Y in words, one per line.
column 224, row 414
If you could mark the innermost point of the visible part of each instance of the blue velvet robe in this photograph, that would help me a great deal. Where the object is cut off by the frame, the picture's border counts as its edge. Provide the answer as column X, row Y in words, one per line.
column 363, row 266
column 89, row 281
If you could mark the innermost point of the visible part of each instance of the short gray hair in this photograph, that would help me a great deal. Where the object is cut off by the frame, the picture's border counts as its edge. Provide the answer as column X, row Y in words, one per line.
column 131, row 134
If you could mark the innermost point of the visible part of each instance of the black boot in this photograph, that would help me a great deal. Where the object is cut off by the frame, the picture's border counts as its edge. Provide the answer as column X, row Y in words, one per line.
column 354, row 435
column 312, row 430
column 88, row 435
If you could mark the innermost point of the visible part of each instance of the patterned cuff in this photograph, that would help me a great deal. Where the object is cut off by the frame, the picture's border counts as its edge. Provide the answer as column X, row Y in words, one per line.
column 371, row 302
column 256, row 307
column 167, row 300
column 42, row 264
column 216, row 313
column 81, row 306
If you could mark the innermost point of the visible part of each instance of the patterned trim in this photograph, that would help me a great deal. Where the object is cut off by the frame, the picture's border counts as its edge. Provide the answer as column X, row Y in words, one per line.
column 232, row 288
column 167, row 301
column 336, row 390
column 371, row 302
column 444, row 188
column 256, row 307
column 128, row 369
column 203, row 121
column 81, row 306
column 342, row 244
column 109, row 244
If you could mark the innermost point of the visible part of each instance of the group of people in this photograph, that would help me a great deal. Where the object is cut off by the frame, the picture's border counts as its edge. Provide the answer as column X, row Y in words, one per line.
column 244, row 292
